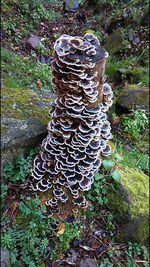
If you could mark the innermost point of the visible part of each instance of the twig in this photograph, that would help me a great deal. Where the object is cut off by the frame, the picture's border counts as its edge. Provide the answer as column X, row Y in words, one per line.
column 87, row 248
column 104, row 251
column 99, row 240
column 142, row 261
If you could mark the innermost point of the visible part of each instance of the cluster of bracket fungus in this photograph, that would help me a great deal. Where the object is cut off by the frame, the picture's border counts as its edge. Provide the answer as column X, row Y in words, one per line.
column 79, row 131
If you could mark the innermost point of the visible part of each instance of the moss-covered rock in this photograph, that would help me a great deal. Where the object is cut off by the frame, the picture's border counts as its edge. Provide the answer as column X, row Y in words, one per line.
column 22, row 103
column 130, row 205
column 114, row 42
column 132, row 95
column 25, row 114
column 71, row 5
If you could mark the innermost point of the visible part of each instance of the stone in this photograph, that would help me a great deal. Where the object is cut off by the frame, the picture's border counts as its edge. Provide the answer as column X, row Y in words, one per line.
column 130, row 205
column 131, row 34
column 88, row 262
column 136, row 41
column 34, row 41
column 134, row 95
column 25, row 115
column 20, row 134
column 114, row 42
column 5, row 261
column 71, row 5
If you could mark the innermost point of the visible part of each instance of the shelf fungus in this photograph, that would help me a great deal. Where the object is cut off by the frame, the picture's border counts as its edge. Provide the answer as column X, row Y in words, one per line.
column 79, row 131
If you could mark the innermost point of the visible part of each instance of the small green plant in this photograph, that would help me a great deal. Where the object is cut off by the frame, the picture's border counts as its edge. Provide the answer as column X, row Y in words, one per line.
column 52, row 15
column 135, row 250
column 73, row 230
column 136, row 156
column 41, row 49
column 102, row 181
column 135, row 122
column 19, row 171
column 56, row 35
column 133, row 254
column 28, row 238
column 3, row 194
column 111, row 69
column 140, row 75
column 110, row 226
column 99, row 35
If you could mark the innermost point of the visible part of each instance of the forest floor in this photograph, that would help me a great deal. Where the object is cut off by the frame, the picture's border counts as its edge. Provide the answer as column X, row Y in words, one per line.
column 90, row 240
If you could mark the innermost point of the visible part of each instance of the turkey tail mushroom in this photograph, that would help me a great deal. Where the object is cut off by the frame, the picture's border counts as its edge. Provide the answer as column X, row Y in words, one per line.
column 79, row 131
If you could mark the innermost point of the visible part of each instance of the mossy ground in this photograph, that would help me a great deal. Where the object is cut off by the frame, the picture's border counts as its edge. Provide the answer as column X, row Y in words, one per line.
column 25, row 72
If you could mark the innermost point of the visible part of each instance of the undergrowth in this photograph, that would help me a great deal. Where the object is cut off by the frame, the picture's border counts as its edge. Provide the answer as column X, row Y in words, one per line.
column 134, row 156
column 21, row 17
column 18, row 171
column 131, row 257
column 135, row 123
column 19, row 71
column 124, row 70
column 25, row 231
column 103, row 180
column 27, row 234
column 28, row 238
column 62, row 241
column 134, row 144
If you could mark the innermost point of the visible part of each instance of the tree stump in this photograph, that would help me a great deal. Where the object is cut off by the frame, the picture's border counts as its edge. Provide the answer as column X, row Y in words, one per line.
column 79, row 131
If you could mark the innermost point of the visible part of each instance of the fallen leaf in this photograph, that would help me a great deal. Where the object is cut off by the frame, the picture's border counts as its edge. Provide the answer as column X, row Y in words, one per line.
column 117, row 120
column 61, row 229
column 105, row 240
column 140, row 148
column 39, row 82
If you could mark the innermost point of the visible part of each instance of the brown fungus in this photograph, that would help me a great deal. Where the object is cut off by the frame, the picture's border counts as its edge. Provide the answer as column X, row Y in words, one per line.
column 79, row 131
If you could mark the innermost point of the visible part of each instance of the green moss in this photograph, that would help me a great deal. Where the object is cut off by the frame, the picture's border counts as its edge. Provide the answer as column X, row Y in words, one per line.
column 119, row 207
column 3, row 129
column 114, row 42
column 136, row 182
column 130, row 204
column 22, row 103
column 143, row 235
column 132, row 93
